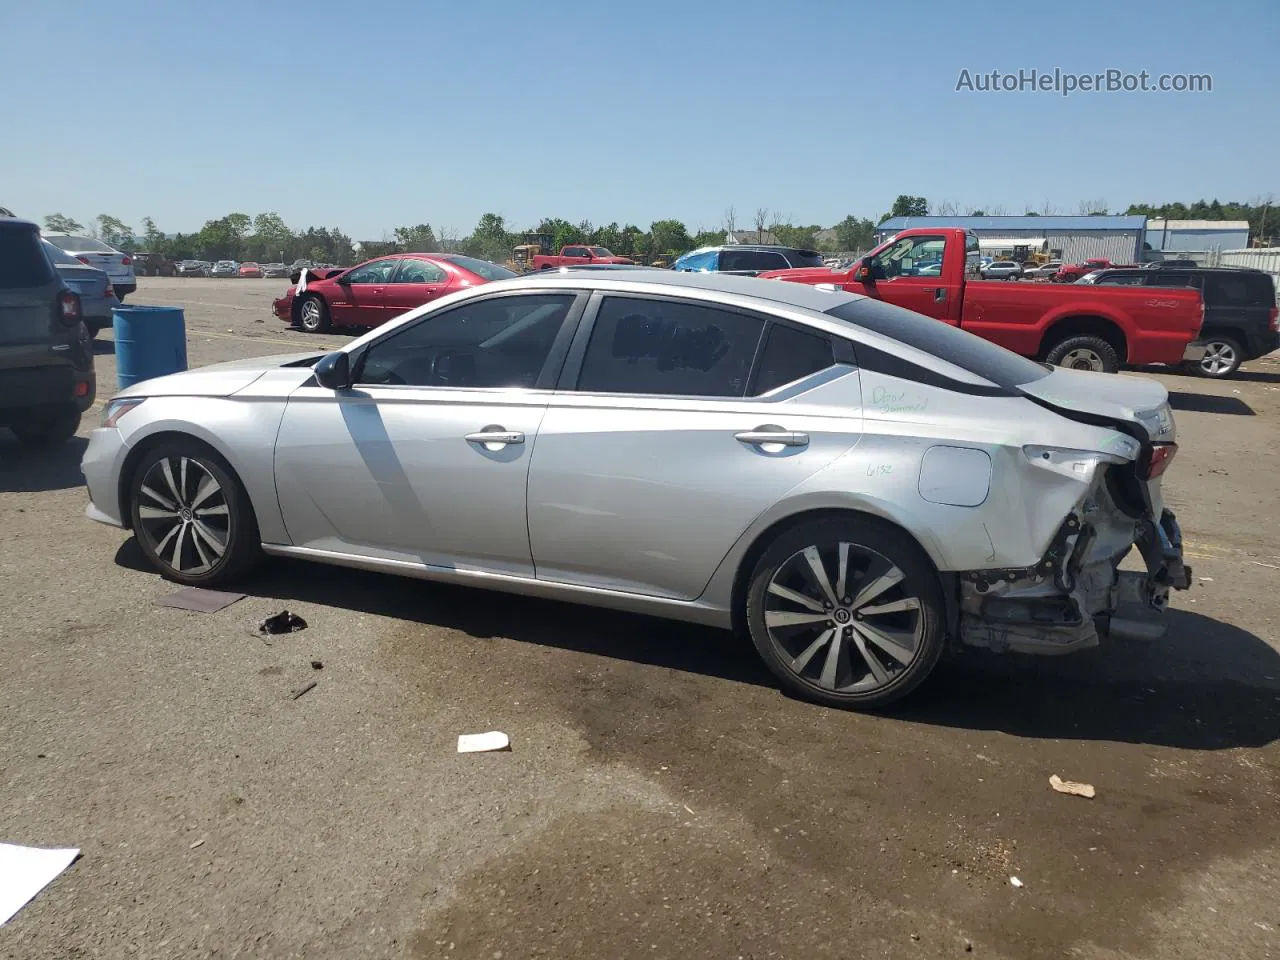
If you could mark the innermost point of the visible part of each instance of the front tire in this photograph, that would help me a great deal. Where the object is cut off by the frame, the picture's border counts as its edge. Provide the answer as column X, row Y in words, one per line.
column 846, row 612
column 313, row 315
column 191, row 515
column 1222, row 357
column 1084, row 353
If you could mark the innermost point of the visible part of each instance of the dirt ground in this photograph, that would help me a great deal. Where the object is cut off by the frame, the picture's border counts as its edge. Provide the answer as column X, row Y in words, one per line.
column 662, row 798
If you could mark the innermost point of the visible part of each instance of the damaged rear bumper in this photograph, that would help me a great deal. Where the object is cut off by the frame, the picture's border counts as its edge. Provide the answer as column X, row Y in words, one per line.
column 1077, row 593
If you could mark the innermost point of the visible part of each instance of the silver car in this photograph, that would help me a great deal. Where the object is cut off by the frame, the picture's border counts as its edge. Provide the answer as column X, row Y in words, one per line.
column 97, row 296
column 1002, row 270
column 115, row 263
column 852, row 484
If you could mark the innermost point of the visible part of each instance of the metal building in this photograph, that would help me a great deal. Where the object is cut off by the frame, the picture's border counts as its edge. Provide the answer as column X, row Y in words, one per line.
column 1073, row 239
column 1198, row 236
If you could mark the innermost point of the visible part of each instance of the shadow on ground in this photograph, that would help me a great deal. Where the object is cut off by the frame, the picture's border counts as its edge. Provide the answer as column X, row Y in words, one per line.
column 1206, row 686
column 36, row 469
column 102, row 348
column 1208, row 403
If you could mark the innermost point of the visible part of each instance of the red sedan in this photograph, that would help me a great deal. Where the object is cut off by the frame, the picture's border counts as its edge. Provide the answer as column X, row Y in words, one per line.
column 253, row 270
column 378, row 290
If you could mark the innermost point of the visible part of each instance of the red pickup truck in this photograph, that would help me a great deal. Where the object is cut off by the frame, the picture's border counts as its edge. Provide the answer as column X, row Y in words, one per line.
column 936, row 272
column 576, row 256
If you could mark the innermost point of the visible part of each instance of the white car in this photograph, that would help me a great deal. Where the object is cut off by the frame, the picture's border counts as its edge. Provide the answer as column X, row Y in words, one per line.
column 118, row 266
column 1002, row 270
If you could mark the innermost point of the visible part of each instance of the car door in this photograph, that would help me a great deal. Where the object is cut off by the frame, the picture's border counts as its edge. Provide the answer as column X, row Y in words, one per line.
column 668, row 437
column 897, row 279
column 572, row 256
column 424, row 460
column 416, row 282
column 360, row 298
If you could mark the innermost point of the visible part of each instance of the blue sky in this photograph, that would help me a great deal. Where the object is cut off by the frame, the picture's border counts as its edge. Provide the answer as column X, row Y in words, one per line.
column 366, row 116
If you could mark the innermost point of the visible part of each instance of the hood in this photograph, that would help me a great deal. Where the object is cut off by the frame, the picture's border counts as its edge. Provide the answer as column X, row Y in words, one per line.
column 1109, row 396
column 215, row 380
column 808, row 275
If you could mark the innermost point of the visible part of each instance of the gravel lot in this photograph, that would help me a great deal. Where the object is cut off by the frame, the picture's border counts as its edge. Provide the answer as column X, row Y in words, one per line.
column 662, row 798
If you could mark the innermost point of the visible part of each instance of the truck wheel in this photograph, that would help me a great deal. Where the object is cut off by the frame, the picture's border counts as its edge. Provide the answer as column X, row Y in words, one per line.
column 313, row 315
column 1084, row 353
column 545, row 266
column 47, row 427
column 1222, row 357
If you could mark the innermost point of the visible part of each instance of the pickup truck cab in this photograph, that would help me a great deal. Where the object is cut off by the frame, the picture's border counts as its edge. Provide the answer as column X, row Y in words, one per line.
column 1077, row 326
column 577, row 255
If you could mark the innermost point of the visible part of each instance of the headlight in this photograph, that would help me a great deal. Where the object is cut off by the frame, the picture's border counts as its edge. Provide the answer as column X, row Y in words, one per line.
column 117, row 409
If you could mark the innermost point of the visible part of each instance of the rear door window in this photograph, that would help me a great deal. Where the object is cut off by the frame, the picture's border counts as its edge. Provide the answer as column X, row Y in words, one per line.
column 804, row 258
column 23, row 263
column 1239, row 290
column 669, row 348
column 1169, row 278
column 754, row 260
column 698, row 262
column 790, row 355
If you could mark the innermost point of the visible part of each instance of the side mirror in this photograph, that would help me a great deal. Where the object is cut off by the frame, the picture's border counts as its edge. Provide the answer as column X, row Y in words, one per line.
column 333, row 372
column 864, row 272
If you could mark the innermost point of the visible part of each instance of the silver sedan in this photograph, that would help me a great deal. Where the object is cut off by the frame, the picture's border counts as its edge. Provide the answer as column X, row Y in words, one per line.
column 851, row 484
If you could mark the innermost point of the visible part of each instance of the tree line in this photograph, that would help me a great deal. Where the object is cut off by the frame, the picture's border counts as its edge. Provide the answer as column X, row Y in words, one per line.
column 267, row 238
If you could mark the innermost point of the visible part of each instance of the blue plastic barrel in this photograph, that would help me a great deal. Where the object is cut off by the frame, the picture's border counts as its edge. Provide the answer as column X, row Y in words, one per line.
column 150, row 342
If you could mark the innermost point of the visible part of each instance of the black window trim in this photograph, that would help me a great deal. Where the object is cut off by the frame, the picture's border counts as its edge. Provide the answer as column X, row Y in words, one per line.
column 842, row 349
column 399, row 258
column 551, row 367
column 405, row 258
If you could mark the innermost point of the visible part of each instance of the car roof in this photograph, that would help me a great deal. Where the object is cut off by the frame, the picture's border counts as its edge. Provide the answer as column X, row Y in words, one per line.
column 17, row 222
column 802, row 295
column 767, row 247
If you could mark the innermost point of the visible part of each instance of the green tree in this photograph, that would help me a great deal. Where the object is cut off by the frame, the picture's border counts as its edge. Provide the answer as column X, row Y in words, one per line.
column 490, row 239
column 419, row 239
column 271, row 237
column 609, row 237
column 669, row 238
column 57, row 223
column 854, row 234
column 115, row 232
column 153, row 240
column 909, row 206
column 708, row 238
column 806, row 238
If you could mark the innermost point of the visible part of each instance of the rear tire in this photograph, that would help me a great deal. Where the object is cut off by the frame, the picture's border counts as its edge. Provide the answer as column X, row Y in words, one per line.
column 191, row 515
column 879, row 639
column 313, row 315
column 1222, row 358
column 1084, row 353
column 47, row 427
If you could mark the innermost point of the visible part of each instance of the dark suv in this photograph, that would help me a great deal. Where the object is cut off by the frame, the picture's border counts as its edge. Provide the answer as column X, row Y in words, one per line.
column 46, row 354
column 1240, row 317
column 746, row 259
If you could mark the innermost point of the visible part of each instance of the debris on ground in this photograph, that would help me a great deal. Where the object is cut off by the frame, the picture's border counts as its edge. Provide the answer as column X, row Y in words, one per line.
column 198, row 843
column 307, row 688
column 282, row 622
column 25, row 871
column 483, row 742
column 1015, row 882
column 317, row 665
column 1071, row 787
column 199, row 599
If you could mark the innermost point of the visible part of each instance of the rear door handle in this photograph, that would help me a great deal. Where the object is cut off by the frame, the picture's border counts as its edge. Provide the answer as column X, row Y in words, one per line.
column 764, row 435
column 495, row 436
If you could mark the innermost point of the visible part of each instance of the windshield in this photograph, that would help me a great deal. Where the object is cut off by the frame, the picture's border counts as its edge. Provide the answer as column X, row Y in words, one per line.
column 980, row 357
column 81, row 244
column 59, row 256
column 482, row 268
column 600, row 252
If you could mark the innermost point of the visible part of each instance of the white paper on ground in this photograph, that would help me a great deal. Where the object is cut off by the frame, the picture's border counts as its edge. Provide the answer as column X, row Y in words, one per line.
column 24, row 872
column 483, row 742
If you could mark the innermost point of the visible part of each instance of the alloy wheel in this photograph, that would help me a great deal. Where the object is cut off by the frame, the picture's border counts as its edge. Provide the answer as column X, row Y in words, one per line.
column 1082, row 358
column 854, row 632
column 1219, row 358
column 184, row 514
column 309, row 313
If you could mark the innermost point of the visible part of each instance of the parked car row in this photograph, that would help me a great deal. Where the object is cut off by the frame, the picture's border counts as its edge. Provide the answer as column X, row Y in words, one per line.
column 117, row 265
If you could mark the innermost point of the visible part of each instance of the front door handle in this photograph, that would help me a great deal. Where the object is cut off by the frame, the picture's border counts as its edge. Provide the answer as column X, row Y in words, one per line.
column 494, row 437
column 771, row 434
column 940, row 295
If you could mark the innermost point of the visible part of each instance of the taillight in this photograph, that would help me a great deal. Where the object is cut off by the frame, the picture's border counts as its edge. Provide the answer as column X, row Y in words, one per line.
column 1158, row 462
column 125, row 261
column 110, row 291
column 83, row 259
column 69, row 307
column 1275, row 318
